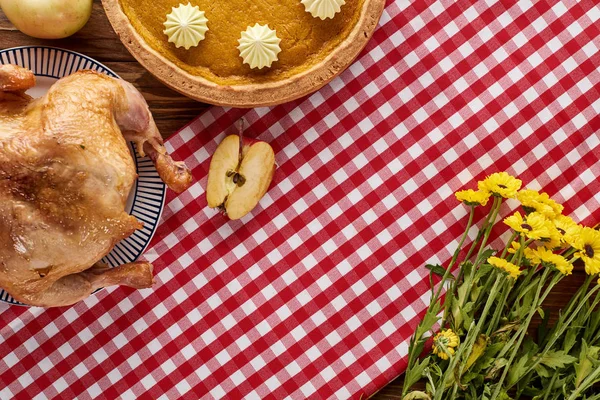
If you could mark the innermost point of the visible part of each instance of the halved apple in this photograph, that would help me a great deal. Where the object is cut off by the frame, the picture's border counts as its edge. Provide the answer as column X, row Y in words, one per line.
column 238, row 180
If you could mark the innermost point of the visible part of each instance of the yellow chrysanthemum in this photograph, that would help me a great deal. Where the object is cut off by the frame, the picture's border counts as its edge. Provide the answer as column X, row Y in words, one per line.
column 553, row 240
column 588, row 244
column 533, row 201
column 500, row 184
column 534, row 226
column 473, row 197
column 557, row 261
column 445, row 342
column 511, row 269
column 531, row 255
column 528, row 253
column 514, row 247
column 567, row 228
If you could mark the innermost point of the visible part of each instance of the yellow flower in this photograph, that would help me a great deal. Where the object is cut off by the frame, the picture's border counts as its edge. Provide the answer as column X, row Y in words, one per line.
column 557, row 261
column 473, row 197
column 534, row 226
column 533, row 201
column 552, row 241
column 514, row 247
column 500, row 184
column 567, row 228
column 588, row 244
column 511, row 269
column 528, row 253
column 445, row 342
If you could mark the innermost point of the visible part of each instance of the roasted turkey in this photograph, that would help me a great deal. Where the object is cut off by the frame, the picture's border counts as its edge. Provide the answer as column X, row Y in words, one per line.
column 65, row 174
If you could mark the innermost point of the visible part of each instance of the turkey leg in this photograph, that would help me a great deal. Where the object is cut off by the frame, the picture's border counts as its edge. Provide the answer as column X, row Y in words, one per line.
column 76, row 287
column 138, row 126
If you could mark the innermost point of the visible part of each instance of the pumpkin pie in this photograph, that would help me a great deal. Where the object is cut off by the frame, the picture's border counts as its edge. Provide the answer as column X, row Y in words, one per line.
column 206, row 49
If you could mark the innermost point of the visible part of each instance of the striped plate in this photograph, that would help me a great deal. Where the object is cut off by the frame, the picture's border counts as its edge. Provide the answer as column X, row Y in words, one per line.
column 147, row 197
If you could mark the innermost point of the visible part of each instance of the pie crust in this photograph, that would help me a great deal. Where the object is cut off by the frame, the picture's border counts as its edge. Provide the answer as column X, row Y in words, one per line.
column 247, row 95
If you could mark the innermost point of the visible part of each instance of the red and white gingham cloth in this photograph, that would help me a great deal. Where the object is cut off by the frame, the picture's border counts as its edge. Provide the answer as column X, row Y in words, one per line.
column 316, row 292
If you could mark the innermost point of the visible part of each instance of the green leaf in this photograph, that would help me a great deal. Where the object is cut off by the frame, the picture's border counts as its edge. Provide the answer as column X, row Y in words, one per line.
column 417, row 395
column 497, row 366
column 489, row 357
column 529, row 346
column 429, row 388
column 437, row 371
column 588, row 360
column 429, row 320
column 466, row 267
column 570, row 338
column 463, row 289
column 487, row 393
column 517, row 370
column 466, row 315
column 503, row 396
column 438, row 270
column 470, row 377
column 540, row 311
column 487, row 254
column 557, row 359
column 526, row 303
column 475, row 292
column 542, row 371
column 416, row 372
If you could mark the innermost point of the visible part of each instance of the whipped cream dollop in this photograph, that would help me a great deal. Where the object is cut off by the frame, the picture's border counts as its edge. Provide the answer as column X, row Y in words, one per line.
column 186, row 26
column 259, row 46
column 323, row 8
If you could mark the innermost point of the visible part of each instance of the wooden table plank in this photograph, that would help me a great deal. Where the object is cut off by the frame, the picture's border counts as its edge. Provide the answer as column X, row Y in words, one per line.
column 173, row 110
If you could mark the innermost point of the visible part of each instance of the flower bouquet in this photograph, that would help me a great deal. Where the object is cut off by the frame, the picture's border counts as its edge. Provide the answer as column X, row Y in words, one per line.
column 479, row 331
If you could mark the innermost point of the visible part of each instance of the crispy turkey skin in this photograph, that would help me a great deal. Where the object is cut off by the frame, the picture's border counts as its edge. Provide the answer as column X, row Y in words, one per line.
column 65, row 174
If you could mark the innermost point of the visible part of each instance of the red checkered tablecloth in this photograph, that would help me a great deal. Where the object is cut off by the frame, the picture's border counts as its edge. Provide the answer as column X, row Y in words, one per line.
column 316, row 292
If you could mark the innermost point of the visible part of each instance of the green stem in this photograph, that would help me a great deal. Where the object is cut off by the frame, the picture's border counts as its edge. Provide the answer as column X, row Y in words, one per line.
column 521, row 251
column 453, row 261
column 499, row 309
column 454, row 257
column 522, row 332
column 551, row 385
column 587, row 382
column 464, row 237
column 472, row 335
column 563, row 327
column 518, row 292
column 490, row 224
column 412, row 356
column 569, row 252
column 488, row 230
column 591, row 329
column 567, row 310
column 480, row 234
column 508, row 244
column 535, row 306
column 582, row 289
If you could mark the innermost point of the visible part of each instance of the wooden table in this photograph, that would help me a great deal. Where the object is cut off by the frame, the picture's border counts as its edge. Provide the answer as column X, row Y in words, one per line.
column 172, row 110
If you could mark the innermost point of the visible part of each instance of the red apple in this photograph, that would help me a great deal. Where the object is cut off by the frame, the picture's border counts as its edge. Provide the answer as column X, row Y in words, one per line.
column 238, row 180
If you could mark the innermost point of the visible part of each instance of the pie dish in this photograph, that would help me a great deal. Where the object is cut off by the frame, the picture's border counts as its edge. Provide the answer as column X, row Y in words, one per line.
column 313, row 50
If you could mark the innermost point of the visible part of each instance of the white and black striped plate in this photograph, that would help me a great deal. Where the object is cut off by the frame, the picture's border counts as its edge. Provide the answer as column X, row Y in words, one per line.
column 147, row 197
